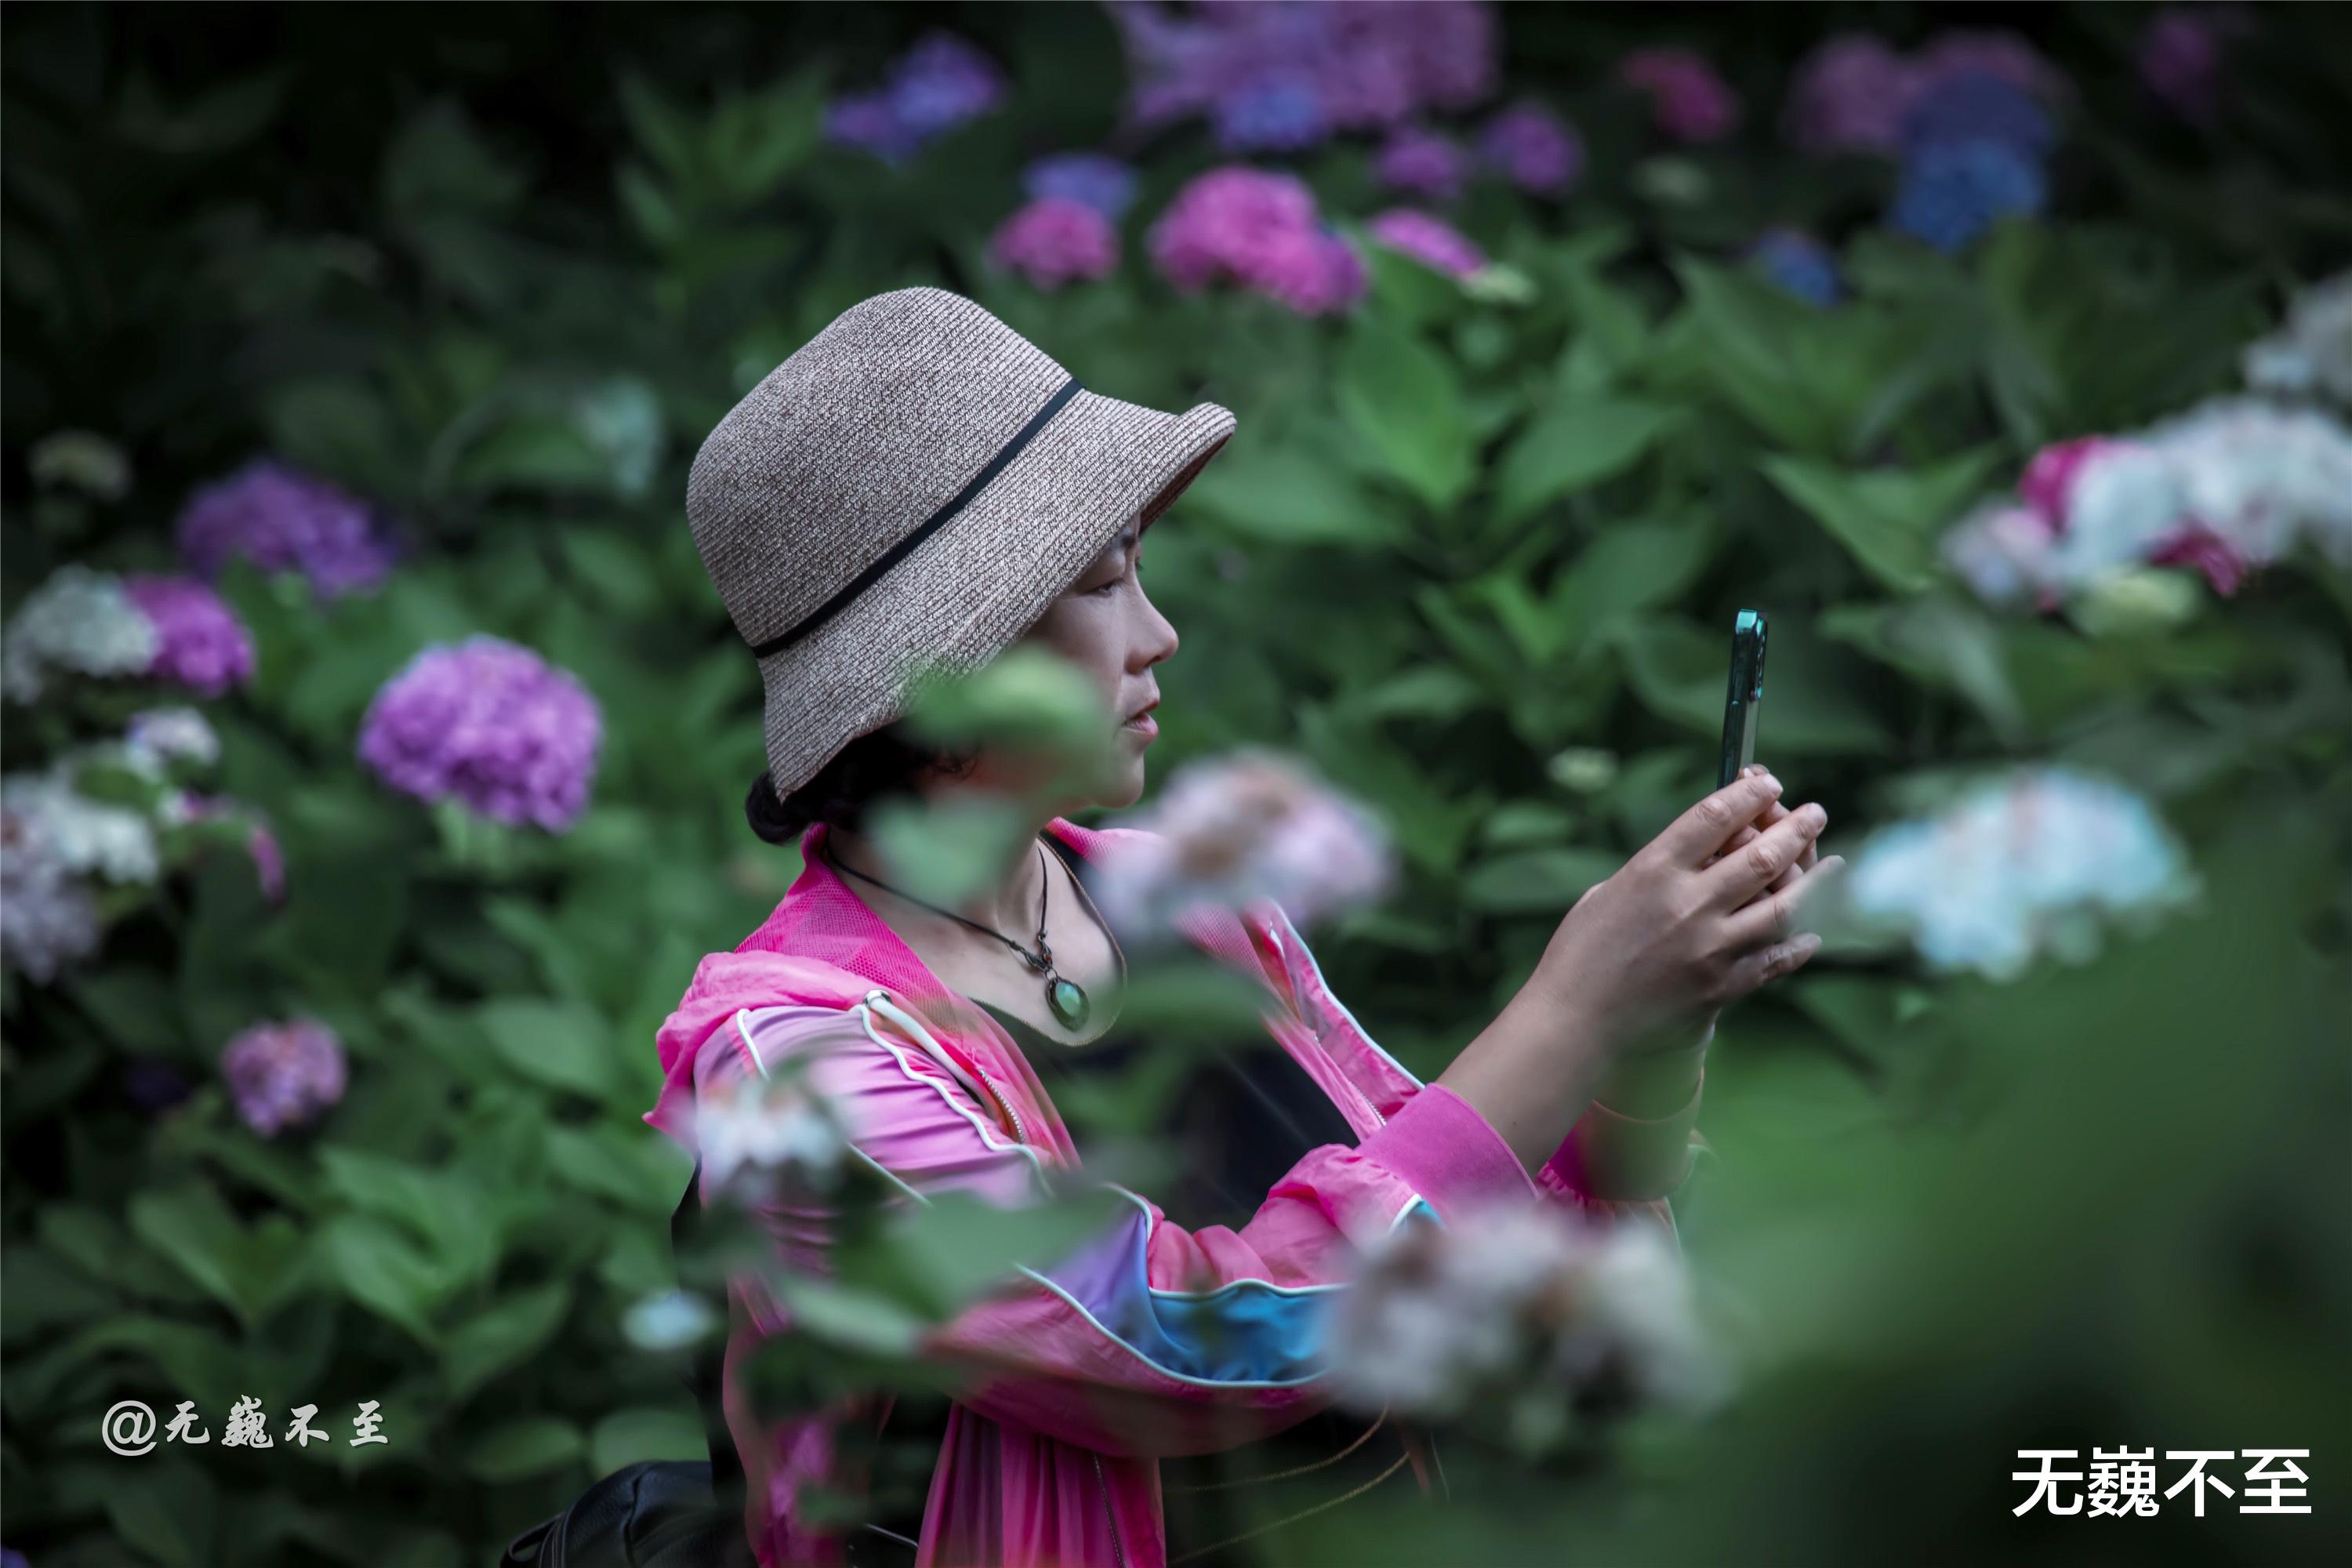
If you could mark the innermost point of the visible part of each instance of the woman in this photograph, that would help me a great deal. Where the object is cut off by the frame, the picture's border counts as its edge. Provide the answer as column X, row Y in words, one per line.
column 920, row 487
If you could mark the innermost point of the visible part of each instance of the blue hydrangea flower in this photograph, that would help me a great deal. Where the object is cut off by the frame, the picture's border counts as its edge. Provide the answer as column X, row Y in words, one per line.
column 1953, row 192
column 1801, row 264
column 1095, row 179
column 1274, row 114
column 943, row 81
column 1978, row 106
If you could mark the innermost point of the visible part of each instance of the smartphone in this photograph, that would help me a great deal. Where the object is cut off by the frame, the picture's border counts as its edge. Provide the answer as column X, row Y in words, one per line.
column 1746, row 695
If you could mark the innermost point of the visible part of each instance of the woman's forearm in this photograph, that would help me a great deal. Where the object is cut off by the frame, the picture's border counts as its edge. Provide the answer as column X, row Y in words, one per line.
column 1531, row 1072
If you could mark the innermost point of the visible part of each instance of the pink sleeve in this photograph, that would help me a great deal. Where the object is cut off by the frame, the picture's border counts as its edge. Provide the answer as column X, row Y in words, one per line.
column 1151, row 1338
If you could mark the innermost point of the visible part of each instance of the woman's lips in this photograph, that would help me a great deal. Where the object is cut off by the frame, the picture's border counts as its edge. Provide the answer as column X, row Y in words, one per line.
column 1143, row 724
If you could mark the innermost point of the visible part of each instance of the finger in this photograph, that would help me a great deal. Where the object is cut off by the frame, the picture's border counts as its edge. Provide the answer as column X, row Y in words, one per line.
column 1740, row 839
column 1774, row 962
column 1740, row 876
column 1780, row 915
column 1701, row 830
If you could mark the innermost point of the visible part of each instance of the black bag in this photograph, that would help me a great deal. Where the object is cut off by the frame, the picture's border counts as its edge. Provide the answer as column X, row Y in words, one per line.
column 655, row 1513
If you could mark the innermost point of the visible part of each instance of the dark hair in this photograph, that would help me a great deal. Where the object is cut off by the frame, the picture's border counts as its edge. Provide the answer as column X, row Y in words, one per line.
column 875, row 766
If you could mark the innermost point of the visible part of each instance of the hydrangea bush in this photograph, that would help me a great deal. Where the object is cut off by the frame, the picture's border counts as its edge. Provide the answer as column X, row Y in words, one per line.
column 375, row 747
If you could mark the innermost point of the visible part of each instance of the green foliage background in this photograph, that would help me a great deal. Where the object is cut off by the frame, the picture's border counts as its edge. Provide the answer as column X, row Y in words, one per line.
column 503, row 270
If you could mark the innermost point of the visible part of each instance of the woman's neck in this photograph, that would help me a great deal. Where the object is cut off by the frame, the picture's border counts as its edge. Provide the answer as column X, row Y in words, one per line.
column 1007, row 902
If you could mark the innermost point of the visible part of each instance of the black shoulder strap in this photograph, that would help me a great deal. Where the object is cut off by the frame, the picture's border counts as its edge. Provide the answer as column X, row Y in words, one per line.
column 710, row 1358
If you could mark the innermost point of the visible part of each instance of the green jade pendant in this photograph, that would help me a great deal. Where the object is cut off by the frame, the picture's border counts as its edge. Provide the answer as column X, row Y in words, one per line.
column 1066, row 998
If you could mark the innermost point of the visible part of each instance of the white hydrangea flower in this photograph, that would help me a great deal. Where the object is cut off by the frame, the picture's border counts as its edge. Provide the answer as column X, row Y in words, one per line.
column 79, row 620
column 48, row 917
column 159, row 735
column 2003, row 551
column 83, row 461
column 2125, row 501
column 84, row 835
column 2019, row 867
column 669, row 1320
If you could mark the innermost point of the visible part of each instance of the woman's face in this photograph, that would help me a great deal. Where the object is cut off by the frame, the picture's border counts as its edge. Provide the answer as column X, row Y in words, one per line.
column 1105, row 625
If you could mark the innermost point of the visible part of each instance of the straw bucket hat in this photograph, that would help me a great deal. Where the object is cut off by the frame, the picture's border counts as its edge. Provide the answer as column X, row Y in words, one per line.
column 907, row 493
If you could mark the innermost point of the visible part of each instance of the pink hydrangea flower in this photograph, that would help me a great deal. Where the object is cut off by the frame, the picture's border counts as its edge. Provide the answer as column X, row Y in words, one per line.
column 1260, row 230
column 200, row 643
column 1430, row 240
column 1689, row 101
column 2199, row 546
column 1055, row 240
column 491, row 725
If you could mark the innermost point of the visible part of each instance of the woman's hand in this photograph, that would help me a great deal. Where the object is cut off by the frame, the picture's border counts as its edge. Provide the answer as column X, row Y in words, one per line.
column 1701, row 916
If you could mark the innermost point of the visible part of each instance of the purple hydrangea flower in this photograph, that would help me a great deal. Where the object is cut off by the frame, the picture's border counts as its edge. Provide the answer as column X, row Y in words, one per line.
column 941, row 81
column 268, row 862
column 1423, row 163
column 1953, row 192
column 1851, row 92
column 1799, row 264
column 869, row 120
column 1276, row 113
column 1429, row 241
column 1689, row 101
column 283, row 1074
column 1535, row 149
column 2180, row 57
column 1260, row 230
column 1099, row 180
column 283, row 520
column 938, row 83
column 200, row 643
column 1975, row 105
column 490, row 724
column 1054, row 240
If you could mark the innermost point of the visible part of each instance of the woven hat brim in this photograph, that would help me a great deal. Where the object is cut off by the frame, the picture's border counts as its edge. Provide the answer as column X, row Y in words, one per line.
column 973, row 587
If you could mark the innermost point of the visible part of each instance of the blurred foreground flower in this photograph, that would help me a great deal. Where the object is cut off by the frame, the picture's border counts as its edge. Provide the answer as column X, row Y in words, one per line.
column 1525, row 1312
column 1260, row 230
column 2231, row 485
column 490, row 724
column 2019, row 867
column 2311, row 355
column 1232, row 829
column 760, row 1124
column 282, row 1075
column 1689, row 100
column 1055, row 240
column 283, row 520
column 669, row 1320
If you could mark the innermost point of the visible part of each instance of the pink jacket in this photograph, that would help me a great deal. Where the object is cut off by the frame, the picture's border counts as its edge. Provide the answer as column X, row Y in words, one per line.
column 1155, row 1341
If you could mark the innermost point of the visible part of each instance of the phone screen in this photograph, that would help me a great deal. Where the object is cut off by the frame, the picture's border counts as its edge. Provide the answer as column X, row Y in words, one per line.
column 1746, row 695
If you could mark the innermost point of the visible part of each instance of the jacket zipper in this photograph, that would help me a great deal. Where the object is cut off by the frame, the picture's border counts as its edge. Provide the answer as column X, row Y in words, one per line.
column 1118, row 1547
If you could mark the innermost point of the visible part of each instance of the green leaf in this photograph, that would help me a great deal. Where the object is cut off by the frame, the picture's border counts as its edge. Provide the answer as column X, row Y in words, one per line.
column 1576, row 443
column 1403, row 401
column 625, row 1436
column 163, row 1506
column 481, row 1348
column 556, row 1044
column 244, row 1269
column 1888, row 518
column 516, row 1450
column 382, row 1271
column 1538, row 882
column 1286, row 495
